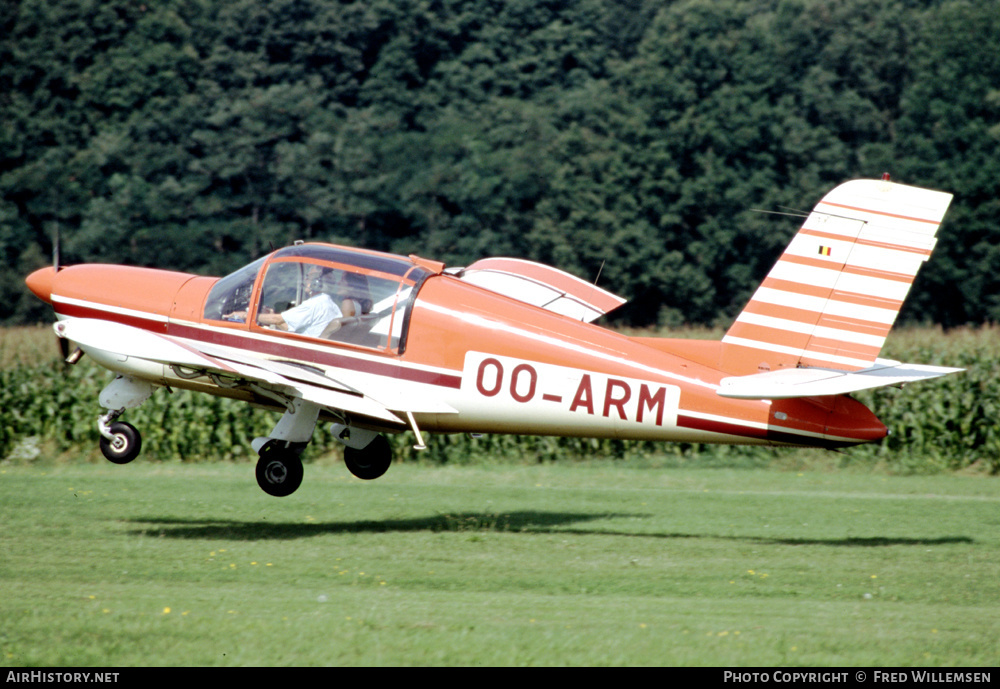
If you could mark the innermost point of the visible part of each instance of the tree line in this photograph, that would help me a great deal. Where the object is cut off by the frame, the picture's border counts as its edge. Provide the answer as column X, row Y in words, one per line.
column 633, row 142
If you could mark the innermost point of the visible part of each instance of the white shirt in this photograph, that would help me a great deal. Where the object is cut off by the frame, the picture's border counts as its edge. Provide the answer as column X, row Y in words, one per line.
column 312, row 316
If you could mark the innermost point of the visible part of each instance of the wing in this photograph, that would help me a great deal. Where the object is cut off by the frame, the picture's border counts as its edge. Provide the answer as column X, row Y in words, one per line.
column 391, row 395
column 278, row 380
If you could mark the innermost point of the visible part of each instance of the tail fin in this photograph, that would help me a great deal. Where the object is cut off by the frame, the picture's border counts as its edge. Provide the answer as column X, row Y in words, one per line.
column 834, row 294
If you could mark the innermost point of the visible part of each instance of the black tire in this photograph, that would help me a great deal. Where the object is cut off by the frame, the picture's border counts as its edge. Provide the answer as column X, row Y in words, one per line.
column 126, row 445
column 279, row 471
column 372, row 461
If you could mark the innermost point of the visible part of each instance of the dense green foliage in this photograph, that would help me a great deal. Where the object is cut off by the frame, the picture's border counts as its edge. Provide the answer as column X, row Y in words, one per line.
column 48, row 407
column 637, row 135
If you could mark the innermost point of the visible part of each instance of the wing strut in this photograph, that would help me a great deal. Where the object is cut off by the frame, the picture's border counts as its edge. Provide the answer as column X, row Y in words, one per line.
column 413, row 425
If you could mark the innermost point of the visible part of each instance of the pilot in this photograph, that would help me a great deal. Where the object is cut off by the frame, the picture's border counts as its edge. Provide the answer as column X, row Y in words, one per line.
column 314, row 313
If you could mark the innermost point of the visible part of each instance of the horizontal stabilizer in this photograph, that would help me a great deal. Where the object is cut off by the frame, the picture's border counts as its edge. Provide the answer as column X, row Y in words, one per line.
column 818, row 382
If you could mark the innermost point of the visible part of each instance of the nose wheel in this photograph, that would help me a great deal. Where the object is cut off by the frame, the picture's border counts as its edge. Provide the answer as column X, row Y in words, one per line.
column 122, row 443
column 279, row 469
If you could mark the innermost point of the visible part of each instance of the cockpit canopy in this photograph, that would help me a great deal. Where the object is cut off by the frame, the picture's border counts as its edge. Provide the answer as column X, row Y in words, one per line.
column 326, row 292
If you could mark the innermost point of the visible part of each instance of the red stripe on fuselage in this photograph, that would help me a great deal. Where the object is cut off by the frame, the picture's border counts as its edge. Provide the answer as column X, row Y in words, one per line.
column 273, row 347
column 78, row 311
column 266, row 346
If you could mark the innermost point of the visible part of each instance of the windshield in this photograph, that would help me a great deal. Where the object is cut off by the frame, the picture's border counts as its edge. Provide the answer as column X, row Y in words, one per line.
column 232, row 293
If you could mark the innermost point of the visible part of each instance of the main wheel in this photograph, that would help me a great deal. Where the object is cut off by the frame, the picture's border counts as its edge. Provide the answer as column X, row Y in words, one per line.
column 370, row 462
column 279, row 471
column 125, row 445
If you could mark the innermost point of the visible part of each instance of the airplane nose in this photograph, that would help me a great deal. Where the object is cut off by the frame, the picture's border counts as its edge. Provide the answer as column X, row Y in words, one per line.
column 40, row 282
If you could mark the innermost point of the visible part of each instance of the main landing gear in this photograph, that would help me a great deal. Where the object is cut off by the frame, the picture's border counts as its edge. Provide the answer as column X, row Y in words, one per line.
column 279, row 469
column 121, row 442
column 371, row 461
column 366, row 453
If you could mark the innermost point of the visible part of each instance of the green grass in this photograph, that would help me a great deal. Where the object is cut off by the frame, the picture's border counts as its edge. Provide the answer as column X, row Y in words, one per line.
column 599, row 563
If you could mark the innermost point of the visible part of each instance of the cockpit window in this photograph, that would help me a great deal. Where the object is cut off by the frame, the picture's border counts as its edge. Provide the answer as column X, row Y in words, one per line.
column 232, row 293
column 331, row 293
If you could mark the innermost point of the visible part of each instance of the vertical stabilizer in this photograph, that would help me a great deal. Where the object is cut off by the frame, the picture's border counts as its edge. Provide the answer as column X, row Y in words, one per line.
column 834, row 294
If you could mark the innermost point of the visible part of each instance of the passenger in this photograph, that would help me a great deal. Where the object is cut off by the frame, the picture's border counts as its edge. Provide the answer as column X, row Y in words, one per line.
column 355, row 304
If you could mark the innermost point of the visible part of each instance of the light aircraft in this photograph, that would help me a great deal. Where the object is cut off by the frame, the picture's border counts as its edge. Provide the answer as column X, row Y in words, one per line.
column 375, row 343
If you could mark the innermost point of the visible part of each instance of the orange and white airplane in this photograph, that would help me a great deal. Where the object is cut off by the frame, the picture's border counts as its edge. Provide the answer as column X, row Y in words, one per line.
column 376, row 343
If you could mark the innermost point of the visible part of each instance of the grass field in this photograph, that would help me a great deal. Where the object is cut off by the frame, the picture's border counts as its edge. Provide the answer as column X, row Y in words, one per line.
column 602, row 563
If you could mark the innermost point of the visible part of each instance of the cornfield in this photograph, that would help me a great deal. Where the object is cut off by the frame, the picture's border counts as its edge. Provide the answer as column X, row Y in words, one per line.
column 946, row 424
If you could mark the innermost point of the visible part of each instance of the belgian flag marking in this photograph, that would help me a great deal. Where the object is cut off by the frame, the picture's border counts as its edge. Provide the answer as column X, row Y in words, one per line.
column 824, row 251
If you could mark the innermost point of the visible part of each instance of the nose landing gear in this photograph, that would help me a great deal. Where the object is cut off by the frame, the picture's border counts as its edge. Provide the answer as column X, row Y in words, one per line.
column 120, row 442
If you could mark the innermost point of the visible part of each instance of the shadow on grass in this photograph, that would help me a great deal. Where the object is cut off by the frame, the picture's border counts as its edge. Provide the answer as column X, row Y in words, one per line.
column 515, row 522
column 531, row 522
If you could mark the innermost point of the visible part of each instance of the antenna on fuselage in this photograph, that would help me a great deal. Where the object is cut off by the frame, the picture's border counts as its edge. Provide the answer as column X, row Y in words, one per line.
column 596, row 278
column 599, row 271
